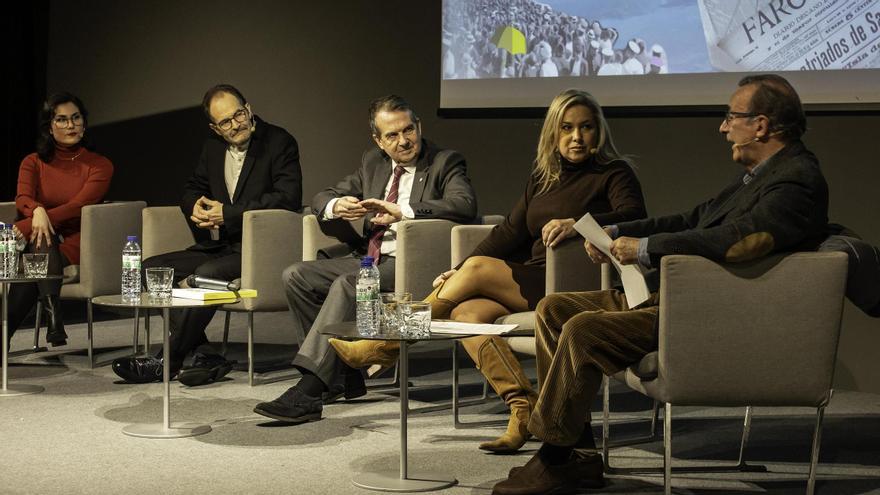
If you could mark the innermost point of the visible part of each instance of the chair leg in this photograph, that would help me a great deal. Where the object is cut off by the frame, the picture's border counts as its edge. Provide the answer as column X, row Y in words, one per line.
column 655, row 416
column 89, row 335
column 147, row 332
column 667, row 450
column 38, row 317
column 225, row 334
column 747, row 426
column 137, row 321
column 606, row 427
column 250, row 332
column 814, row 454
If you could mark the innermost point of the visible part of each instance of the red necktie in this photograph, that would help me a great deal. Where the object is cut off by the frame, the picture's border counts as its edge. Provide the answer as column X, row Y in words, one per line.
column 374, row 247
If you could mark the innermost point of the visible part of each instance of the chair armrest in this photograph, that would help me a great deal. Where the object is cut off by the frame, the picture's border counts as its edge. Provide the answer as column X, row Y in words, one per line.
column 8, row 212
column 464, row 239
column 165, row 230
column 271, row 241
column 313, row 239
column 724, row 327
column 104, row 231
column 422, row 253
column 569, row 268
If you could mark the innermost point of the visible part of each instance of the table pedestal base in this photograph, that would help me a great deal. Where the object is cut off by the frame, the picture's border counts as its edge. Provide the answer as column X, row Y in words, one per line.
column 416, row 481
column 20, row 389
column 177, row 430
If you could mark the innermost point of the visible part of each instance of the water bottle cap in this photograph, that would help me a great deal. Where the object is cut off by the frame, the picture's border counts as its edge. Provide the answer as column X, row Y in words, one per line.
column 133, row 238
column 366, row 261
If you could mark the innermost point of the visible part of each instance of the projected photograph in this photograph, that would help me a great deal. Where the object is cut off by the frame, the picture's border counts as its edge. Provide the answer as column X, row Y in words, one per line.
column 491, row 39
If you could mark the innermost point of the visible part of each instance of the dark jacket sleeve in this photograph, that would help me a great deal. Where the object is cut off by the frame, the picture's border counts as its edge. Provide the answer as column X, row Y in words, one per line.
column 351, row 185
column 458, row 201
column 286, row 189
column 197, row 185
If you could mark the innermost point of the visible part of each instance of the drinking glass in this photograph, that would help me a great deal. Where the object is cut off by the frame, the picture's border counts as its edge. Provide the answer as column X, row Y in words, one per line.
column 415, row 320
column 159, row 282
column 391, row 301
column 36, row 265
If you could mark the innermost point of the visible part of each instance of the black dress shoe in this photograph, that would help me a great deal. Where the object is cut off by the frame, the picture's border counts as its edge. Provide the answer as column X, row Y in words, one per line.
column 139, row 369
column 292, row 407
column 351, row 386
column 587, row 465
column 55, row 334
column 205, row 369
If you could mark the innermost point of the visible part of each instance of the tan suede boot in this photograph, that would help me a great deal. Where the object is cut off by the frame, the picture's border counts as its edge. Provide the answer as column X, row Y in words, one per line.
column 361, row 353
column 440, row 307
column 496, row 361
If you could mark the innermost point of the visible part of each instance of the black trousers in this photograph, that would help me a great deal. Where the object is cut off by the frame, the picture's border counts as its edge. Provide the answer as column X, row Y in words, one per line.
column 23, row 297
column 187, row 326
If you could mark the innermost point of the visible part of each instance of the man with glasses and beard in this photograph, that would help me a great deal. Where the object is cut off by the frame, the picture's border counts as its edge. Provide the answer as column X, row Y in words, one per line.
column 248, row 164
column 417, row 179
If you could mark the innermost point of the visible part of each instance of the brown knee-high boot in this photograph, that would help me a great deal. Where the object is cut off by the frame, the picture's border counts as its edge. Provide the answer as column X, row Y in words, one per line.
column 496, row 361
column 361, row 353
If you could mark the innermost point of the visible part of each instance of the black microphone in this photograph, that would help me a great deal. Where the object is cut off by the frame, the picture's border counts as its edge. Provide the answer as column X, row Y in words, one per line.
column 212, row 283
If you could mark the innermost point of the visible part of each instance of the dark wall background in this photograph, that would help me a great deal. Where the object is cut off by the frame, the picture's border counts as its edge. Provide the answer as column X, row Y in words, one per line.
column 312, row 67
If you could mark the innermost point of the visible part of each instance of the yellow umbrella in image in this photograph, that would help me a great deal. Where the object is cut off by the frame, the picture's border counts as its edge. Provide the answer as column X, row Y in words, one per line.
column 510, row 38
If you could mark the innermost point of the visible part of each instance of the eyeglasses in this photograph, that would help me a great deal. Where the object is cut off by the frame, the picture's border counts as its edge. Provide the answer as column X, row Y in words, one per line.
column 63, row 121
column 239, row 116
column 731, row 116
column 392, row 137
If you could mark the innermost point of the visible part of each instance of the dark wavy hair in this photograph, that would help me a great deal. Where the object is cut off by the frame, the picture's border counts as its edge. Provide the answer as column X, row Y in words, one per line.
column 776, row 98
column 45, row 141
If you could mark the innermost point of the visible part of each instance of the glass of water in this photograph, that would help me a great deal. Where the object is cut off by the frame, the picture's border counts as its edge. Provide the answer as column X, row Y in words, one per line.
column 415, row 320
column 159, row 282
column 391, row 301
column 36, row 265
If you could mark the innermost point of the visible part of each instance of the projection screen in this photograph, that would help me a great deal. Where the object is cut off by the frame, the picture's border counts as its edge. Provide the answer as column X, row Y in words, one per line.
column 519, row 53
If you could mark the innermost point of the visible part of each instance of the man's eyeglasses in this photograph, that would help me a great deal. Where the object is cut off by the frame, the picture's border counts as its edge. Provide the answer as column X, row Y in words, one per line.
column 240, row 116
column 63, row 121
column 731, row 116
column 392, row 137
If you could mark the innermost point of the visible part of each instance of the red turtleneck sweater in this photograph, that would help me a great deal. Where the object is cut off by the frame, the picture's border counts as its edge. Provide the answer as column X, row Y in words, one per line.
column 75, row 177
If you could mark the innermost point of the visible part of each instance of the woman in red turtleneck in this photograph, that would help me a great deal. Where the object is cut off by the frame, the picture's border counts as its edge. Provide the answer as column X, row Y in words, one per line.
column 53, row 185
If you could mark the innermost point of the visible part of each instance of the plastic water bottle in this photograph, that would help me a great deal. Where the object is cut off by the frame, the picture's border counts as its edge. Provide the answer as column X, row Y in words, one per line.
column 369, row 306
column 131, row 270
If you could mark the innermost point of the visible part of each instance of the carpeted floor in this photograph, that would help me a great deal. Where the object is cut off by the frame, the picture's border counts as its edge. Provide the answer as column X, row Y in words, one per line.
column 69, row 440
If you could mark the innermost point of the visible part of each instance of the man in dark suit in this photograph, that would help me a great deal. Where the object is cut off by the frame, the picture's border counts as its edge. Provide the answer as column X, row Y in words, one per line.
column 779, row 202
column 418, row 180
column 247, row 165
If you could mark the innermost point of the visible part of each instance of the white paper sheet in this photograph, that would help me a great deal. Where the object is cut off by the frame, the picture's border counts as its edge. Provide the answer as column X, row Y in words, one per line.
column 634, row 284
column 458, row 328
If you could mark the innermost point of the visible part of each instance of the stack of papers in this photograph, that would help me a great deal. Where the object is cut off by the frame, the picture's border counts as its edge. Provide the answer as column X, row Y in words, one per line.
column 212, row 295
column 458, row 328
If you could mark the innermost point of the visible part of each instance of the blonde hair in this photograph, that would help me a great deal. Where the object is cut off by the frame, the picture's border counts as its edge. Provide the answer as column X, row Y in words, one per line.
column 547, row 161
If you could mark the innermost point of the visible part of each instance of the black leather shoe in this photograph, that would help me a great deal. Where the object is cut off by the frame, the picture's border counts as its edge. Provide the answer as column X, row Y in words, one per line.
column 587, row 465
column 139, row 369
column 55, row 334
column 351, row 386
column 205, row 369
column 292, row 407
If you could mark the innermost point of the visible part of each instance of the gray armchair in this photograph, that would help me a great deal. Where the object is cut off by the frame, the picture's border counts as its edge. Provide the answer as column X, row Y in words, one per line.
column 745, row 334
column 271, row 241
column 7, row 211
column 104, row 229
column 422, row 250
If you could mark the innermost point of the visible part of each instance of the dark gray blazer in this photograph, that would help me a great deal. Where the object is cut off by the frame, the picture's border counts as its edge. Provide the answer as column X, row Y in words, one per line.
column 784, row 208
column 441, row 188
column 270, row 178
